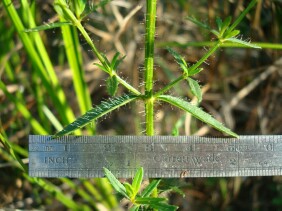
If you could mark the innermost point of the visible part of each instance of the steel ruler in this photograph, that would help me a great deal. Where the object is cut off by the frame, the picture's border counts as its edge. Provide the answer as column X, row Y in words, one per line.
column 160, row 156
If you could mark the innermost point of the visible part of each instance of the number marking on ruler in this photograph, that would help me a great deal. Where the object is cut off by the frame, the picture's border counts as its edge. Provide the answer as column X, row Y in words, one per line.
column 160, row 156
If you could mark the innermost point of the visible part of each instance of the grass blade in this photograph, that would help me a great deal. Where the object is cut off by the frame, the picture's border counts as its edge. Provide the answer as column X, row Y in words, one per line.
column 115, row 183
column 98, row 111
column 73, row 52
column 197, row 112
column 24, row 111
column 40, row 60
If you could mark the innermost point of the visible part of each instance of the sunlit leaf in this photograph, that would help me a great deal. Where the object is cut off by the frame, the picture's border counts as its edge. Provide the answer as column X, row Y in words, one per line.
column 129, row 189
column 137, row 180
column 99, row 111
column 115, row 183
column 197, row 112
column 195, row 88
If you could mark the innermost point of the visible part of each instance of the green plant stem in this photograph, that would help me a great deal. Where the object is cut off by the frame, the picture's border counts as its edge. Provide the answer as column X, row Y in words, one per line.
column 149, row 64
column 204, row 58
column 169, row 86
column 274, row 46
column 128, row 86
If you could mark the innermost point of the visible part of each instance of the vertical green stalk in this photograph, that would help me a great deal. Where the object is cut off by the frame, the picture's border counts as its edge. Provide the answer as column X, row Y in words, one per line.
column 149, row 64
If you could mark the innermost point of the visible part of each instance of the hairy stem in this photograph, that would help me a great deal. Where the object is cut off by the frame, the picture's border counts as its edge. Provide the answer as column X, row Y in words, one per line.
column 149, row 64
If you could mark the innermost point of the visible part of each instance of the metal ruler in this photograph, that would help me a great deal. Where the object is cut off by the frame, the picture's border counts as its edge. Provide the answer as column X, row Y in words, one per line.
column 160, row 156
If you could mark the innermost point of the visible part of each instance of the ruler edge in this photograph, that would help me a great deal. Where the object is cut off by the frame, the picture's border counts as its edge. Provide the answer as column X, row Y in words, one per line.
column 151, row 139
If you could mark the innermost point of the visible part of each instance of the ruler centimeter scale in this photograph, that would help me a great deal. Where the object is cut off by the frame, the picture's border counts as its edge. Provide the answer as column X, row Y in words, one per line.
column 160, row 156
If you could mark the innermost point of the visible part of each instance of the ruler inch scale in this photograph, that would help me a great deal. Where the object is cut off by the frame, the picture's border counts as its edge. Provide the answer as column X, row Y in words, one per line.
column 160, row 156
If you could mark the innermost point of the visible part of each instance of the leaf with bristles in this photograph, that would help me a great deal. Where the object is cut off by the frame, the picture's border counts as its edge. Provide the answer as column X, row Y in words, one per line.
column 195, row 88
column 249, row 44
column 197, row 112
column 97, row 112
column 180, row 60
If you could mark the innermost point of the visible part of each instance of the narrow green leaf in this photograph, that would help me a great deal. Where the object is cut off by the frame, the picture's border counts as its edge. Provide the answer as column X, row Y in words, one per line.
column 198, row 23
column 216, row 33
column 115, row 183
column 197, row 112
column 78, row 7
column 117, row 63
column 101, row 67
column 47, row 26
column 249, row 44
column 58, row 6
column 106, row 59
column 129, row 189
column 112, row 85
column 218, row 23
column 95, row 113
column 114, row 60
column 179, row 59
column 194, row 71
column 232, row 34
column 163, row 206
column 195, row 88
column 134, row 208
column 136, row 183
column 150, row 188
column 148, row 200
column 225, row 24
